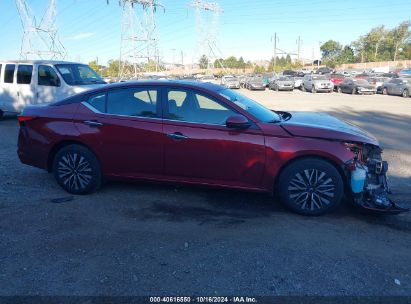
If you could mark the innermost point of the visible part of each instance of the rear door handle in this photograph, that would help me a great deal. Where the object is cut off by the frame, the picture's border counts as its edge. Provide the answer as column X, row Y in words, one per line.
column 177, row 135
column 93, row 123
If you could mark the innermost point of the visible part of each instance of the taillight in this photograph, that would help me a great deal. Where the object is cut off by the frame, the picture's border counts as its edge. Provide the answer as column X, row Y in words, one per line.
column 24, row 118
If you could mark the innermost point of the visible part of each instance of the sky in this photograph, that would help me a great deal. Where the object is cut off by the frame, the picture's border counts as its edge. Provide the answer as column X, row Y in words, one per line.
column 91, row 29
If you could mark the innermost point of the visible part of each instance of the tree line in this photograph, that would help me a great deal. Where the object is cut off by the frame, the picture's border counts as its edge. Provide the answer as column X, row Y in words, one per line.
column 379, row 44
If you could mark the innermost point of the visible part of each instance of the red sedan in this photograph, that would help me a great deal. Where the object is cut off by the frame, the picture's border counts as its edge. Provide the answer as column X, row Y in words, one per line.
column 202, row 133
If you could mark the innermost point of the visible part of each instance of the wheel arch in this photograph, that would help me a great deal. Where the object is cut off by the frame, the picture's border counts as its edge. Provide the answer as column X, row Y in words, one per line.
column 329, row 160
column 64, row 143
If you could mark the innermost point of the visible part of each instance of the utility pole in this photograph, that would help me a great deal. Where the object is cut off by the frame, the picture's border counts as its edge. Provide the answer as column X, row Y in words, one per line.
column 173, row 50
column 275, row 49
column 182, row 57
column 299, row 48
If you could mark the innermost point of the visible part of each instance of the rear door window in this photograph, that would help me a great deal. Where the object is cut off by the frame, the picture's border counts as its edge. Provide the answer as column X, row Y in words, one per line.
column 47, row 76
column 9, row 73
column 24, row 73
column 139, row 102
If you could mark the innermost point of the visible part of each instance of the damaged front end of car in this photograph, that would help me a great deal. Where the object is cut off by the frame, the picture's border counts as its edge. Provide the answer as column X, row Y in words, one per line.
column 368, row 181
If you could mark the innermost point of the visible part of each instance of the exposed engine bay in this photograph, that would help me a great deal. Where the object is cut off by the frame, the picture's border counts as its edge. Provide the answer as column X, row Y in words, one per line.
column 369, row 184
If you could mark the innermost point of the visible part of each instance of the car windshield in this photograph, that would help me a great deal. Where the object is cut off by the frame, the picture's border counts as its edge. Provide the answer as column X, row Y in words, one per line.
column 283, row 79
column 361, row 82
column 79, row 74
column 320, row 78
column 254, row 108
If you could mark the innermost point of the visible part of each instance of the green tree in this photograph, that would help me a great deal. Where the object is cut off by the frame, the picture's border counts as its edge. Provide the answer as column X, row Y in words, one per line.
column 94, row 66
column 203, row 62
column 241, row 63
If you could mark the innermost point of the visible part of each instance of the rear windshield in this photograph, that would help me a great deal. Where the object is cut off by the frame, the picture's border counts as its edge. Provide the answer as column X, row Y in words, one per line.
column 79, row 74
column 361, row 81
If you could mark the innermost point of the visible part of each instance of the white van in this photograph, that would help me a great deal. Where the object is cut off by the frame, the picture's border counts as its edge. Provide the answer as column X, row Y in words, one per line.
column 37, row 81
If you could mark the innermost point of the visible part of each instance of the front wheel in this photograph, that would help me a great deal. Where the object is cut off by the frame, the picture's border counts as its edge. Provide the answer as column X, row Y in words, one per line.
column 313, row 90
column 77, row 170
column 384, row 91
column 353, row 91
column 339, row 90
column 405, row 93
column 310, row 186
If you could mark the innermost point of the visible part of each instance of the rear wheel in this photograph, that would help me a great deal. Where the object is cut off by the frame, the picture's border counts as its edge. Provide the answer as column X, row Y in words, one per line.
column 384, row 91
column 339, row 90
column 276, row 88
column 77, row 170
column 303, row 88
column 313, row 89
column 310, row 187
column 405, row 93
column 353, row 91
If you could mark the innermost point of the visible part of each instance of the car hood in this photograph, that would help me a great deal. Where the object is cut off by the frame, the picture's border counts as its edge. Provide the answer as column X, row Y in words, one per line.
column 322, row 125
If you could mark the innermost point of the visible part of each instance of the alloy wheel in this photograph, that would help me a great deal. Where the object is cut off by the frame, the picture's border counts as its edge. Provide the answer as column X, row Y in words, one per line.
column 75, row 171
column 311, row 189
column 405, row 93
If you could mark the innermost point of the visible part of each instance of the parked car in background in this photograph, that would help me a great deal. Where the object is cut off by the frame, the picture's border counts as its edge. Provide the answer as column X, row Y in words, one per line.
column 281, row 83
column 317, row 83
column 397, row 86
column 336, row 79
column 289, row 73
column 405, row 73
column 255, row 83
column 298, row 81
column 389, row 75
column 377, row 82
column 324, row 70
column 203, row 133
column 206, row 78
column 25, row 82
column 356, row 86
column 230, row 82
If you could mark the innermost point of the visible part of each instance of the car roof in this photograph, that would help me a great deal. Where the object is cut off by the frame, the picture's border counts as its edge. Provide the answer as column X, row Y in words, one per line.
column 38, row 62
column 188, row 84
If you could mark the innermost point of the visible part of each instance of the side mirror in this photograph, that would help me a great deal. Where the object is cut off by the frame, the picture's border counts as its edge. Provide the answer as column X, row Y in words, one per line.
column 237, row 122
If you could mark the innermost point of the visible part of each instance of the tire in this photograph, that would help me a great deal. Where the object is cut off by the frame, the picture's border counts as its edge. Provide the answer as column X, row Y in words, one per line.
column 339, row 90
column 303, row 88
column 276, row 88
column 384, row 91
column 313, row 90
column 405, row 93
column 77, row 170
column 300, row 182
column 353, row 91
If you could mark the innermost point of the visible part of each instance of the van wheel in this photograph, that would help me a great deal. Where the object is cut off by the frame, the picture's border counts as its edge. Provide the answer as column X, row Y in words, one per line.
column 311, row 187
column 77, row 170
column 405, row 93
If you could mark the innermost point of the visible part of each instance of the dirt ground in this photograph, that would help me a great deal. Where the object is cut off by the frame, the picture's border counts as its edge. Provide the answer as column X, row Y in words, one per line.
column 152, row 239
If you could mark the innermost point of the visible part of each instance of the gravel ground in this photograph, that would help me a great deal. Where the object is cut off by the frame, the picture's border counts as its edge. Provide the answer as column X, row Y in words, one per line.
column 150, row 239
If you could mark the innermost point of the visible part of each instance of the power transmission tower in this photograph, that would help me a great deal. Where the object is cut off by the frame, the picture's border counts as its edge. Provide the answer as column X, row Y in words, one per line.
column 40, row 40
column 139, row 42
column 207, row 31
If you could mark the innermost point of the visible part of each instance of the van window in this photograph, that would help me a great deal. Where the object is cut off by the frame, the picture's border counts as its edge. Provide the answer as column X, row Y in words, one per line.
column 24, row 73
column 9, row 73
column 47, row 76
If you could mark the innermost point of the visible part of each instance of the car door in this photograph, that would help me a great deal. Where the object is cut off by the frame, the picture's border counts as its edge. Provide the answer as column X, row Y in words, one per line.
column 200, row 148
column 124, row 127
column 49, row 87
column 25, row 85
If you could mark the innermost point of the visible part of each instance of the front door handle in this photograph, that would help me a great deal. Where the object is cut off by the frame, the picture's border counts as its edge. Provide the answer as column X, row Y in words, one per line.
column 177, row 135
column 93, row 123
